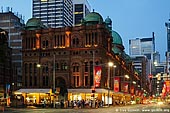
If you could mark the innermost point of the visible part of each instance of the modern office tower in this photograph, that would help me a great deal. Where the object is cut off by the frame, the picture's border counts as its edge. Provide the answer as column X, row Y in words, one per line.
column 140, row 63
column 5, row 64
column 134, row 47
column 156, row 57
column 54, row 13
column 80, row 9
column 13, row 23
column 143, row 46
column 167, row 24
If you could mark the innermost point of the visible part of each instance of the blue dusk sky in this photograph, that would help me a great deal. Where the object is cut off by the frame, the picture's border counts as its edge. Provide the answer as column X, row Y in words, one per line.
column 130, row 18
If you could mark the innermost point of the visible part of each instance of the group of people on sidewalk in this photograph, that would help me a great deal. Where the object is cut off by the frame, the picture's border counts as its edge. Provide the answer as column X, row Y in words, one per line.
column 86, row 103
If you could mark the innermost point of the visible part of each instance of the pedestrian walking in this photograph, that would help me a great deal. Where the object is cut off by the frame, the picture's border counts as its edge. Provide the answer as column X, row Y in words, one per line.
column 2, row 106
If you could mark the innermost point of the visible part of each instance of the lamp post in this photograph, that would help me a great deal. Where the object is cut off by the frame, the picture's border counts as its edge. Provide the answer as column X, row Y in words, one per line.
column 53, row 86
column 110, row 64
column 93, row 87
column 54, row 79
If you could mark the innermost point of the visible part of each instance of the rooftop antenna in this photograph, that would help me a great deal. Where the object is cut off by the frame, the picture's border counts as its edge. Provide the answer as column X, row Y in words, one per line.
column 2, row 8
column 7, row 9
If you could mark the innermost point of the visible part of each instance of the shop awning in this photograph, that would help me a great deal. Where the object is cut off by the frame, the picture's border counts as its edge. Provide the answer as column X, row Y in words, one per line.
column 33, row 91
column 87, row 90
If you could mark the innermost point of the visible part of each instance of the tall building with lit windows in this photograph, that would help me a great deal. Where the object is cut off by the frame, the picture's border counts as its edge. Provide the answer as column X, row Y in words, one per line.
column 13, row 23
column 167, row 54
column 6, row 72
column 80, row 9
column 54, row 13
column 143, row 46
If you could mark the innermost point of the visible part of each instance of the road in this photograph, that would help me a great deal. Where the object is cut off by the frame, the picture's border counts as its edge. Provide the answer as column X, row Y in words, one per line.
column 150, row 108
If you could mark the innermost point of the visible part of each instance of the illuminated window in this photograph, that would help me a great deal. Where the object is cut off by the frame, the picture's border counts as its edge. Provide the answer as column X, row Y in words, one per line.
column 63, row 66
column 44, row 0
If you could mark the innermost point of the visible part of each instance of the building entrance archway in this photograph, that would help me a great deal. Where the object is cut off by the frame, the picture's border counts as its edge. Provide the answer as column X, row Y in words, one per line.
column 61, row 84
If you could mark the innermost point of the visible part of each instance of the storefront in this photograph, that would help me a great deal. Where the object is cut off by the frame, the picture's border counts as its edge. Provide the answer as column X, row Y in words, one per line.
column 35, row 96
column 86, row 94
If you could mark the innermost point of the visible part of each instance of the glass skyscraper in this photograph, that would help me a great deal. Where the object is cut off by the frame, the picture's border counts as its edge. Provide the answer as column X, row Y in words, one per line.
column 54, row 13
column 80, row 9
column 143, row 46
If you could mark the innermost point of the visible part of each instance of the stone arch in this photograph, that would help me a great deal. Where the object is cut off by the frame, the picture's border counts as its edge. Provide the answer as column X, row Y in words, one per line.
column 76, row 40
column 60, row 82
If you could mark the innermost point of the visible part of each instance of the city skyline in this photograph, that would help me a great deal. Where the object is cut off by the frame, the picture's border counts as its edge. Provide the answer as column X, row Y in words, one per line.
column 131, row 19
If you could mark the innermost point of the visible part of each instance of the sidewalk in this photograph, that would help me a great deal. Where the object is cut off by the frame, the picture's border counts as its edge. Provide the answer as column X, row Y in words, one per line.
column 33, row 107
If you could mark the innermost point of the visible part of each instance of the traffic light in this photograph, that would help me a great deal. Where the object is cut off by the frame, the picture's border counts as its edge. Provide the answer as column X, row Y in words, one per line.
column 150, row 76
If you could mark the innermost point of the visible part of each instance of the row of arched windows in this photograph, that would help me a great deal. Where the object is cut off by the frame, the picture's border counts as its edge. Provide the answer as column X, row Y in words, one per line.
column 31, row 73
column 32, row 68
column 60, row 41
column 88, row 69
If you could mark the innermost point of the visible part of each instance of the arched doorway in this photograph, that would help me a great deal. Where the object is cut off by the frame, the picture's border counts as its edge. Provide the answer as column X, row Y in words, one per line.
column 61, row 83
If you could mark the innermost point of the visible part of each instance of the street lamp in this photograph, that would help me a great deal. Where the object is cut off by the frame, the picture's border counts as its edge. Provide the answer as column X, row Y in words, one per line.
column 53, row 88
column 134, row 82
column 110, row 64
column 127, row 76
column 54, row 79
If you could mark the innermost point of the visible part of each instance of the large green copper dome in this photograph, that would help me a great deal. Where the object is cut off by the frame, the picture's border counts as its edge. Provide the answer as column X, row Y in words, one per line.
column 116, row 38
column 34, row 24
column 93, row 18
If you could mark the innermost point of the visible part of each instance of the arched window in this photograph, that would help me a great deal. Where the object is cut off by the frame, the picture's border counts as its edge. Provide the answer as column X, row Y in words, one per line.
column 45, row 44
column 30, row 68
column 76, row 76
column 26, row 67
column 64, row 66
column 57, row 66
column 91, row 73
column 86, row 67
column 75, row 42
column 35, row 68
column 76, row 68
